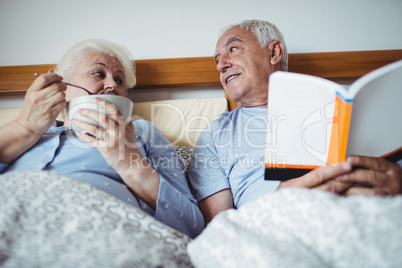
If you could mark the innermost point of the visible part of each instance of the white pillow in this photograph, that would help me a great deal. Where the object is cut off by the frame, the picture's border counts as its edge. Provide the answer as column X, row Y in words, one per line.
column 8, row 114
column 181, row 121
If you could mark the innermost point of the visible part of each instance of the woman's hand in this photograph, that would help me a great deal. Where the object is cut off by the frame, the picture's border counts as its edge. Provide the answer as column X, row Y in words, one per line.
column 115, row 139
column 43, row 102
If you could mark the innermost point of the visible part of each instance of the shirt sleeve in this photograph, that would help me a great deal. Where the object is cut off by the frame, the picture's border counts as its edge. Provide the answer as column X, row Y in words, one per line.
column 3, row 167
column 206, row 174
column 176, row 206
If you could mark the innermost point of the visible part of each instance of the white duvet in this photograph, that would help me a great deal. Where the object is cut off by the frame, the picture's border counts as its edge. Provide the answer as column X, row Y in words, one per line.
column 304, row 228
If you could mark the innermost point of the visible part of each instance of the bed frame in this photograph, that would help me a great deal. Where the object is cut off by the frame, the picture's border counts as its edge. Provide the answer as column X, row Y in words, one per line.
column 178, row 72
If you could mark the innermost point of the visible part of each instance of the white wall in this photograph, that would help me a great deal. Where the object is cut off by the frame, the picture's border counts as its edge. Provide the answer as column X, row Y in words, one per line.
column 38, row 32
column 35, row 32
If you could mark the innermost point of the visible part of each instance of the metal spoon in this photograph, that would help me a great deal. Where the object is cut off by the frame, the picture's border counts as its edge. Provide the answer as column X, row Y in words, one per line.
column 68, row 84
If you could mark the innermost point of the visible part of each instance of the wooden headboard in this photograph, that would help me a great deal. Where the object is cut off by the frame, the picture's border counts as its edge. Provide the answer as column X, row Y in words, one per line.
column 177, row 72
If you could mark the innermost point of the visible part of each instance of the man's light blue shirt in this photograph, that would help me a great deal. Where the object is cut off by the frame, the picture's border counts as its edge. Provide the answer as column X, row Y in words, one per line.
column 230, row 154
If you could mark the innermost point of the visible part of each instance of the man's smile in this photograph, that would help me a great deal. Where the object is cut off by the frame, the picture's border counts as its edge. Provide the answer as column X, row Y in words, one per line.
column 229, row 78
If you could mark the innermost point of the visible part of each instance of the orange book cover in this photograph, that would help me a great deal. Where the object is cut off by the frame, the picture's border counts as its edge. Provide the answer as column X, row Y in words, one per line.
column 315, row 122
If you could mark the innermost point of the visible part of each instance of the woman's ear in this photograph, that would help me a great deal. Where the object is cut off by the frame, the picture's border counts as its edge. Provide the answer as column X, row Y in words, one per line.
column 276, row 51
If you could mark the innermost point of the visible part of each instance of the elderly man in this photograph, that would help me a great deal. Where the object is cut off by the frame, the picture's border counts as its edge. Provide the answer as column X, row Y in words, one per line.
column 226, row 169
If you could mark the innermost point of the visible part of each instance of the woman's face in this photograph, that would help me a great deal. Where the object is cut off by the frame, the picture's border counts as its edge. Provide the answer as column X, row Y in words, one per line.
column 100, row 74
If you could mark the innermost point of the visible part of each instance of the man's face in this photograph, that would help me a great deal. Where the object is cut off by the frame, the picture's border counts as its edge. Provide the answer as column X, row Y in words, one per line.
column 244, row 67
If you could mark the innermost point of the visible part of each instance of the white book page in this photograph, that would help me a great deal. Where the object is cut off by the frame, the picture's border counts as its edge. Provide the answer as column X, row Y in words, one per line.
column 376, row 123
column 300, row 115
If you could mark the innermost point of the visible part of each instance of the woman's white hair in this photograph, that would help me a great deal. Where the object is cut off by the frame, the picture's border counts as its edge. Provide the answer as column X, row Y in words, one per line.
column 74, row 56
column 265, row 32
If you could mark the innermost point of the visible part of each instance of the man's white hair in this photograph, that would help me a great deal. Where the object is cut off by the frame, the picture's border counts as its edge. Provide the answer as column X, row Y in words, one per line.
column 265, row 32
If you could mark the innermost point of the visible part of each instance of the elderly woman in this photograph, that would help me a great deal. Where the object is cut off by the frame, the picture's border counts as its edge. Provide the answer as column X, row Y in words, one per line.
column 133, row 161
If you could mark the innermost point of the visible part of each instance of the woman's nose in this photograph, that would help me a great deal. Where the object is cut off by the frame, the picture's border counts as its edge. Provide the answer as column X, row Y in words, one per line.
column 109, row 86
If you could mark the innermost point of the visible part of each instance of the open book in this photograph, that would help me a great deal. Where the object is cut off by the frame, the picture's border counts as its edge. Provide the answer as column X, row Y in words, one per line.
column 315, row 122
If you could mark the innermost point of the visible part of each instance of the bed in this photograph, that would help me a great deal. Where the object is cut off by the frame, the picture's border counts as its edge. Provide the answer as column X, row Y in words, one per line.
column 68, row 223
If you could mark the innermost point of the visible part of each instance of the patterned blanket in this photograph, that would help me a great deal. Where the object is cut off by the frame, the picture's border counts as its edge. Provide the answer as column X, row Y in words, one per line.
column 50, row 220
column 304, row 228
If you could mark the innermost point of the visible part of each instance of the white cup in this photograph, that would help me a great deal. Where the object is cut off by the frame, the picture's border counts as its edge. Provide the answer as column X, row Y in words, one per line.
column 123, row 104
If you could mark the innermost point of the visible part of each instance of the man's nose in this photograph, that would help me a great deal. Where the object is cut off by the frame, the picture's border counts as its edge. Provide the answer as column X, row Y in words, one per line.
column 223, row 64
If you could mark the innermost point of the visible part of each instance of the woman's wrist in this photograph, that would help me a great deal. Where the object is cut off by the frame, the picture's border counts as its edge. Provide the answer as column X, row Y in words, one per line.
column 15, row 139
column 144, row 183
column 141, row 178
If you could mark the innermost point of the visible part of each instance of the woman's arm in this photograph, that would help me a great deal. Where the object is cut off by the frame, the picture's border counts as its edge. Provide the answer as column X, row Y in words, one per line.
column 44, row 100
column 156, row 175
column 119, row 148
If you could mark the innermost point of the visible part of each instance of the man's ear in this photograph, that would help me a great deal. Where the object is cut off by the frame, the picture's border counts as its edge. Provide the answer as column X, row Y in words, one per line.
column 275, row 52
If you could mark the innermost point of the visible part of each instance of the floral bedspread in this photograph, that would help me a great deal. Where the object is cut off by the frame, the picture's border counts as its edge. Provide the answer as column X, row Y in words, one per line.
column 50, row 220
